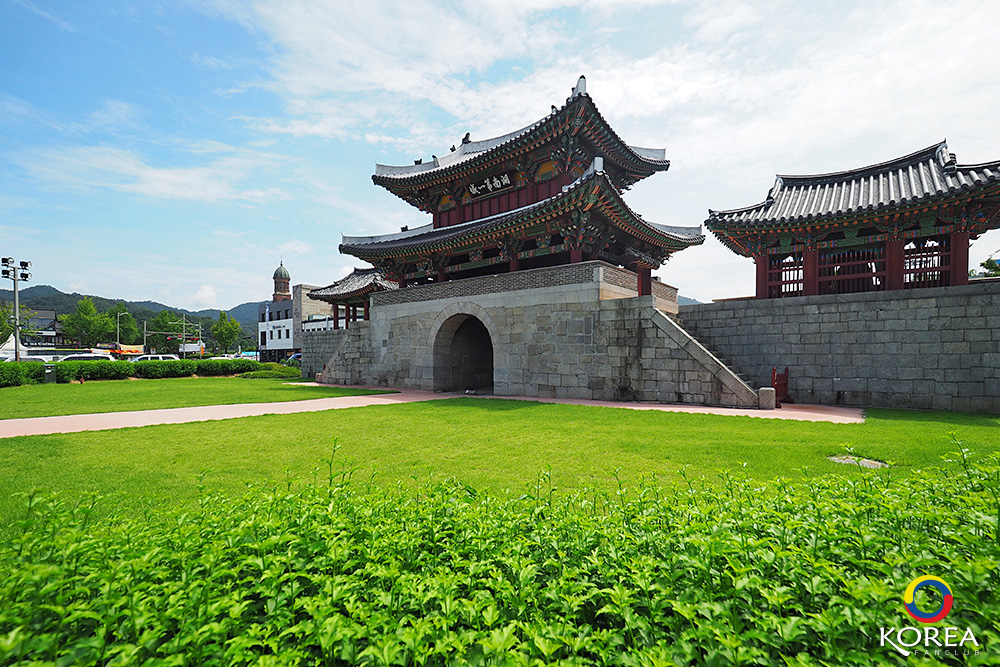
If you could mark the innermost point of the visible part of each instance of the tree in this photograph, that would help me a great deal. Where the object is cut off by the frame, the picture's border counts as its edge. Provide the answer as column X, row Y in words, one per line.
column 86, row 325
column 991, row 266
column 165, row 321
column 7, row 321
column 127, row 329
column 226, row 331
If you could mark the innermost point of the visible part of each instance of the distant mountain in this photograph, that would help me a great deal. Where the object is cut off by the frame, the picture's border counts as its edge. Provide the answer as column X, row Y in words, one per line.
column 46, row 297
column 686, row 301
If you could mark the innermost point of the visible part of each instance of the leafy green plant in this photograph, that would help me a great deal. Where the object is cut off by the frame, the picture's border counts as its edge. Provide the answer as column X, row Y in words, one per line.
column 170, row 368
column 342, row 572
column 273, row 370
column 227, row 366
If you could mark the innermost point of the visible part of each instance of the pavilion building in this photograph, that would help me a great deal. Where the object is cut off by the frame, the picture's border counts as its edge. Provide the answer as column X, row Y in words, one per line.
column 352, row 295
column 548, row 194
column 896, row 225
column 532, row 278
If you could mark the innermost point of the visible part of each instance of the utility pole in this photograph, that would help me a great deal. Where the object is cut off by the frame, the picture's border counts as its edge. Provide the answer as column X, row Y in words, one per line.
column 16, row 273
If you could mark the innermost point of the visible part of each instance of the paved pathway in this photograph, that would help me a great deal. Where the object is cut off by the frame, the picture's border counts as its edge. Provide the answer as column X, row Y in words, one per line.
column 110, row 420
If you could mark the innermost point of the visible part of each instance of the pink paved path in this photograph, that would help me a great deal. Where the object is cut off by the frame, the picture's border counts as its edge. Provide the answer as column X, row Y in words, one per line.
column 110, row 420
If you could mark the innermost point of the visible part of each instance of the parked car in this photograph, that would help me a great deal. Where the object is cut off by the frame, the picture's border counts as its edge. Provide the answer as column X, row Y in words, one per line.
column 87, row 356
column 25, row 357
column 156, row 357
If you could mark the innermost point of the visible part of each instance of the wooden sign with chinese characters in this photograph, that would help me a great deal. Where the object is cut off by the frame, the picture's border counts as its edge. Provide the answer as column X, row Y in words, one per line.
column 492, row 185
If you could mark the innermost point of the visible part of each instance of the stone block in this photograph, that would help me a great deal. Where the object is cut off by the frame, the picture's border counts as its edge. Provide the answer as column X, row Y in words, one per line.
column 766, row 398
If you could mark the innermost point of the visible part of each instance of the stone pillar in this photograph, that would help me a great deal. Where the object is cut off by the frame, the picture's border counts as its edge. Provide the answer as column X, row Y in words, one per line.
column 959, row 258
column 894, row 262
column 810, row 272
column 761, row 261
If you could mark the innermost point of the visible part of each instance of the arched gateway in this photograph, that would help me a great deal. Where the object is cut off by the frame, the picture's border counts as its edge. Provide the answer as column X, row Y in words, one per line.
column 463, row 355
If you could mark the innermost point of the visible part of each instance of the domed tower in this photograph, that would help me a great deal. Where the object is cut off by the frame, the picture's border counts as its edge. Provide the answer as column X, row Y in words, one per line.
column 282, row 291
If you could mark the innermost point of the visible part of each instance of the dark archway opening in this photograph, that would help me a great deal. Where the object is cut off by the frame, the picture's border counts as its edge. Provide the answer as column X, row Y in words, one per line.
column 463, row 356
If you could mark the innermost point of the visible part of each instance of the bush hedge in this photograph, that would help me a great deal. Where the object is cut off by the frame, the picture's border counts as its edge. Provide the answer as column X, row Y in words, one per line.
column 731, row 573
column 227, row 366
column 152, row 370
column 273, row 370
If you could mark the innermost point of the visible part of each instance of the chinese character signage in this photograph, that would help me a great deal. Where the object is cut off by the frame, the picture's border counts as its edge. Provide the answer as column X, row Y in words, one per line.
column 492, row 185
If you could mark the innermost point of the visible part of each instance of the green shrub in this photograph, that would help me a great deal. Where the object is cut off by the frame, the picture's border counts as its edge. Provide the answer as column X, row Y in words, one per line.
column 70, row 371
column 34, row 371
column 273, row 370
column 15, row 373
column 227, row 366
column 67, row 371
column 104, row 370
column 734, row 573
column 11, row 374
column 173, row 368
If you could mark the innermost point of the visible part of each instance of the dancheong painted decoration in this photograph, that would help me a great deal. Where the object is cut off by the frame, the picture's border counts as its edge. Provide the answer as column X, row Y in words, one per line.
column 547, row 194
column 895, row 225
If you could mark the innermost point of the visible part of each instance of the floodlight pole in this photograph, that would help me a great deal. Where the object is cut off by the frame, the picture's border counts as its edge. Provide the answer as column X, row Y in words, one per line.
column 16, row 272
column 118, row 329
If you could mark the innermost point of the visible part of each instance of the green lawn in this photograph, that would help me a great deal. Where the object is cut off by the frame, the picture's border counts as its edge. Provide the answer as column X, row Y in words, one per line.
column 487, row 443
column 45, row 400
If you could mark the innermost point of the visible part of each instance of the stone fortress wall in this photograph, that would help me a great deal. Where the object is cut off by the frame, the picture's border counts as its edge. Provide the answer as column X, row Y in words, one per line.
column 567, row 331
column 578, row 331
column 932, row 348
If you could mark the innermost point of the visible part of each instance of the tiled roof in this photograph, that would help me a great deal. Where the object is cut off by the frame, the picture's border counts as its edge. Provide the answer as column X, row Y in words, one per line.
column 929, row 174
column 360, row 281
column 428, row 239
column 654, row 159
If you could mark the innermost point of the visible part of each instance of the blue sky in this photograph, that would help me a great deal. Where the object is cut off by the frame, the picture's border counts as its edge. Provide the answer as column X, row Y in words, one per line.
column 175, row 151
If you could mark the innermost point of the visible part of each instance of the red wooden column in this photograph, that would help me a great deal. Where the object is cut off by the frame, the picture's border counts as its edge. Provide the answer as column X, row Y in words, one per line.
column 440, row 277
column 762, row 270
column 960, row 258
column 810, row 272
column 575, row 256
column 336, row 316
column 347, row 316
column 514, row 265
column 367, row 303
column 894, row 261
column 645, row 280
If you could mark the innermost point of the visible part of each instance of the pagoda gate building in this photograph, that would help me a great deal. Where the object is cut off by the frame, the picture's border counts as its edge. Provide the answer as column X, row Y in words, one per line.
column 900, row 224
column 533, row 278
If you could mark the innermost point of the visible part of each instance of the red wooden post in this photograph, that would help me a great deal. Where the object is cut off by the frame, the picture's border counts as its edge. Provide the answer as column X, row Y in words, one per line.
column 894, row 262
column 440, row 277
column 645, row 280
column 762, row 271
column 515, row 264
column 366, row 310
column 960, row 258
column 336, row 316
column 575, row 256
column 810, row 272
column 347, row 316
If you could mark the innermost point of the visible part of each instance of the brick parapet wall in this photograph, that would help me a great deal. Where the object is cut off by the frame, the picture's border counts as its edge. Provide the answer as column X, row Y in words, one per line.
column 924, row 348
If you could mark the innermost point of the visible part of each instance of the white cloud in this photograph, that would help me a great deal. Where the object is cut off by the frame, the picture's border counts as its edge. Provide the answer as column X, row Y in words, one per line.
column 218, row 180
column 295, row 247
column 205, row 297
column 62, row 25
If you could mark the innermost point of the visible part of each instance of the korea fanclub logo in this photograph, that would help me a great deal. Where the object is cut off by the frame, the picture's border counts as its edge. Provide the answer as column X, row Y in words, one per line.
column 927, row 639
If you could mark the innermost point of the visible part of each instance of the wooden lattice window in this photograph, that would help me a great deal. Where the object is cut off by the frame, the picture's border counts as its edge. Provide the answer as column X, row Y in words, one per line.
column 784, row 275
column 927, row 262
column 848, row 271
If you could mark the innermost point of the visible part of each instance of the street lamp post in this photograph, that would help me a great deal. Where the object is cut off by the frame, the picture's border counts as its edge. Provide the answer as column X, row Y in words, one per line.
column 118, row 329
column 16, row 272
